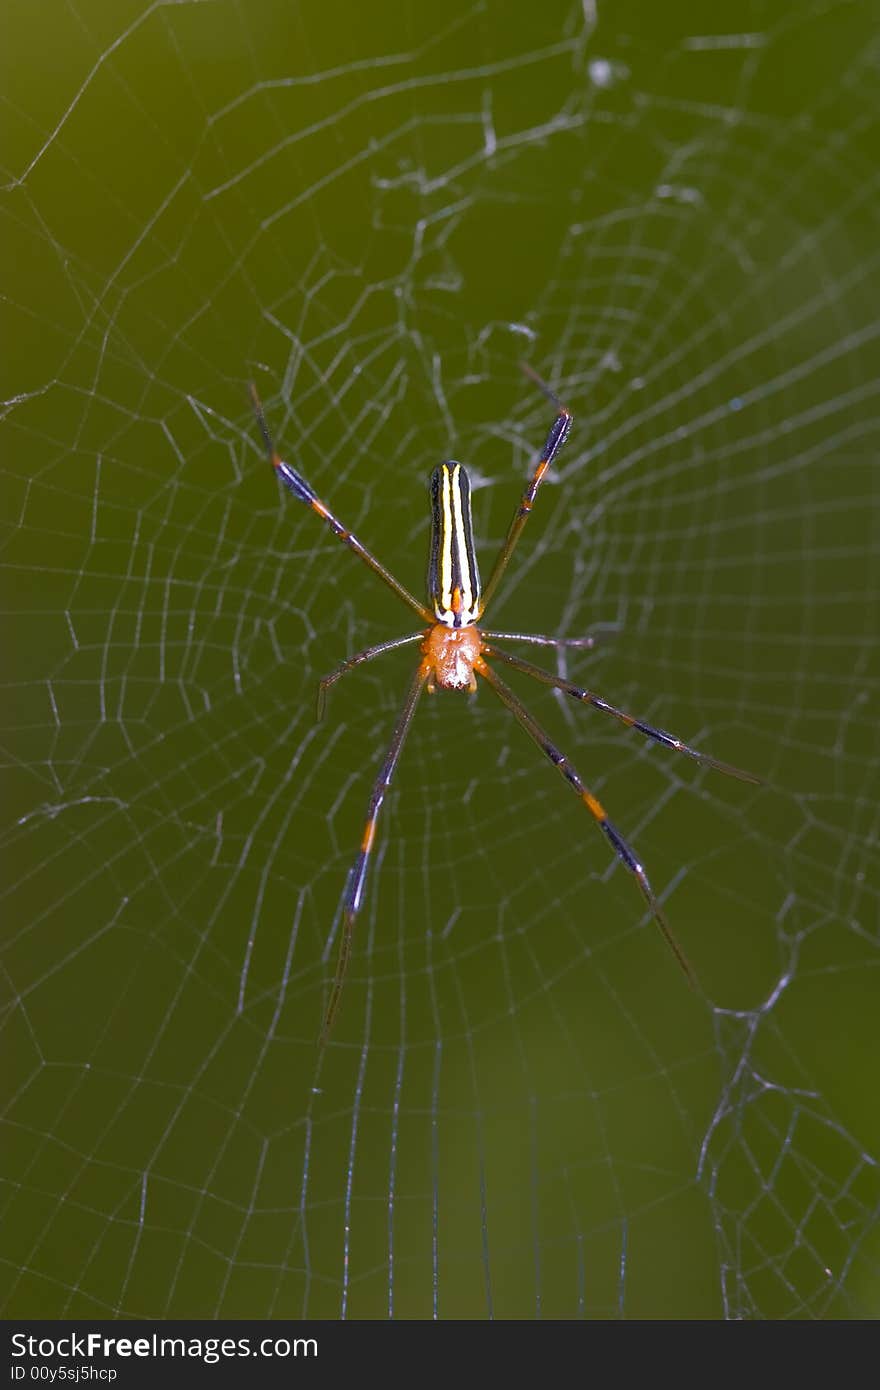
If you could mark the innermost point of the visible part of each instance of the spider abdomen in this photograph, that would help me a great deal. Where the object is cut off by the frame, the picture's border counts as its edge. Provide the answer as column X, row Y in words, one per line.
column 450, row 654
column 453, row 574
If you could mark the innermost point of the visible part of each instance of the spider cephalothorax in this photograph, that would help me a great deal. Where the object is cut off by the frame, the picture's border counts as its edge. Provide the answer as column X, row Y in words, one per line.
column 451, row 653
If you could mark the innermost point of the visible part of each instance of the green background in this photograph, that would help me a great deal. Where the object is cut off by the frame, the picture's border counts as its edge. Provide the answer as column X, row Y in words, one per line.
column 374, row 212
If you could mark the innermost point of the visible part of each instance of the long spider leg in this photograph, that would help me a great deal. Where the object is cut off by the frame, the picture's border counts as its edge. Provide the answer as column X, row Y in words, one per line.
column 304, row 492
column 537, row 640
column 357, row 660
column 357, row 879
column 590, row 698
column 623, row 850
column 555, row 439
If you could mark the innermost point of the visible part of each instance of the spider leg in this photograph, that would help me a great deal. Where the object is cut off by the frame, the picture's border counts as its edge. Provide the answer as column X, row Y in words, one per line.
column 555, row 439
column 538, row 641
column 359, row 657
column 354, row 893
column 623, row 850
column 303, row 492
column 588, row 697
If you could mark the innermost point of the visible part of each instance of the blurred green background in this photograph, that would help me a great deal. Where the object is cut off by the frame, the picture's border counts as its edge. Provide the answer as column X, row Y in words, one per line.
column 375, row 212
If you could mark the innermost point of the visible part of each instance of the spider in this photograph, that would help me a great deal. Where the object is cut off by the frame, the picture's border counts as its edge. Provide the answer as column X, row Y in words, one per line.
column 453, row 652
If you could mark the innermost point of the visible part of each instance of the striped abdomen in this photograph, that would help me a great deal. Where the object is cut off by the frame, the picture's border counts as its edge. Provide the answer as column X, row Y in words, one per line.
column 453, row 576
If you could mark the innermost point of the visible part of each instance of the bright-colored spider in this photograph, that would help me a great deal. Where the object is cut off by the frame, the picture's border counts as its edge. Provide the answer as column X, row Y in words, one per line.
column 453, row 651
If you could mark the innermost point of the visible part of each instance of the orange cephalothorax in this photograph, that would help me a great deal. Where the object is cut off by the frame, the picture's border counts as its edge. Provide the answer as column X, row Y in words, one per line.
column 450, row 654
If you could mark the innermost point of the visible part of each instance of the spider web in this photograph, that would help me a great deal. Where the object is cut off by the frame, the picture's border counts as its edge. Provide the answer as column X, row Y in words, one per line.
column 375, row 212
